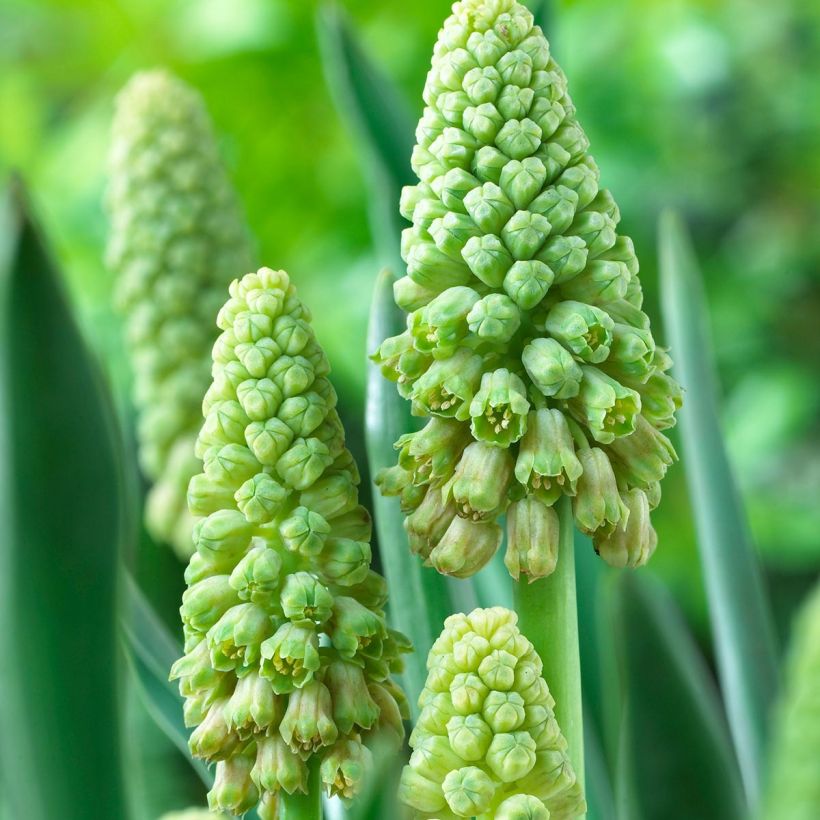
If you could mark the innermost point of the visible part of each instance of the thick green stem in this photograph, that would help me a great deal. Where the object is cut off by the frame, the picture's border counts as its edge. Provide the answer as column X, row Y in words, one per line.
column 303, row 806
column 548, row 616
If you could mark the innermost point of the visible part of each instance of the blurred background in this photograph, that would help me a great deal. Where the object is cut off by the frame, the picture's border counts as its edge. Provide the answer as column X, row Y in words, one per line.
column 710, row 106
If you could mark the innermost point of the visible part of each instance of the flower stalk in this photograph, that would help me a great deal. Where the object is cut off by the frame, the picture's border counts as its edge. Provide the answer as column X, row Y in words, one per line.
column 548, row 616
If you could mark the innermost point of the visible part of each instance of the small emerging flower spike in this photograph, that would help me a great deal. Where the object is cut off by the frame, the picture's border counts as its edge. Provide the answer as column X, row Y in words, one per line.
column 486, row 744
column 177, row 240
column 525, row 332
column 288, row 656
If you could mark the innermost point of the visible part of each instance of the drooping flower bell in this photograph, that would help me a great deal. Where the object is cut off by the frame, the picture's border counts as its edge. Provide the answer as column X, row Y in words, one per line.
column 177, row 240
column 525, row 332
column 288, row 656
column 486, row 744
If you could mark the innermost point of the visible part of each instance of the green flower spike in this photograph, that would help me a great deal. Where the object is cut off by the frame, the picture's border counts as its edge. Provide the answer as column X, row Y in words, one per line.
column 288, row 655
column 486, row 744
column 522, row 300
column 177, row 239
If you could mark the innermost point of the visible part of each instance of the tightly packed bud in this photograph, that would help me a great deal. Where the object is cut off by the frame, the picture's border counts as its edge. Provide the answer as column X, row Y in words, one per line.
column 177, row 239
column 486, row 744
column 522, row 301
column 793, row 787
column 288, row 653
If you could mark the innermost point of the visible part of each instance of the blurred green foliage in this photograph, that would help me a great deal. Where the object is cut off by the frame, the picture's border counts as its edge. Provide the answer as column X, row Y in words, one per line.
column 711, row 107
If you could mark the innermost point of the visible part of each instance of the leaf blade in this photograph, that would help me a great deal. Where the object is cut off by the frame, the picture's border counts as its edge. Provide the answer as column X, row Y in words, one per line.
column 60, row 479
column 739, row 610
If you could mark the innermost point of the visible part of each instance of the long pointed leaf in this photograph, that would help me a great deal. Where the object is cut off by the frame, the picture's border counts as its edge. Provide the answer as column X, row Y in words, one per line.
column 380, row 119
column 419, row 600
column 676, row 757
column 738, row 606
column 60, row 505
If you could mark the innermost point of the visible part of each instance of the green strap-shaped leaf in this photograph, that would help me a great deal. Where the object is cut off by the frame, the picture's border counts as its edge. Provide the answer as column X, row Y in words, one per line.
column 738, row 606
column 151, row 651
column 676, row 758
column 380, row 119
column 60, row 506
column 419, row 601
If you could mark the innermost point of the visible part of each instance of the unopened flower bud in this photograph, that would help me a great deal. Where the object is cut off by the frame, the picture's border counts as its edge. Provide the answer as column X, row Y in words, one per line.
column 426, row 525
column 511, row 756
column 597, row 502
column 465, row 547
column 233, row 790
column 304, row 531
column 633, row 541
column 259, row 498
column 278, row 767
column 494, row 318
column 522, row 807
column 468, row 791
column 552, row 368
column 256, row 577
column 532, row 539
column 344, row 561
column 480, row 482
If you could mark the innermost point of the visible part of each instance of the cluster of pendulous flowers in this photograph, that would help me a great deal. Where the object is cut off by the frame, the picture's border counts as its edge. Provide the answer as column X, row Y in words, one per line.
column 486, row 744
column 288, row 655
column 177, row 240
column 526, row 345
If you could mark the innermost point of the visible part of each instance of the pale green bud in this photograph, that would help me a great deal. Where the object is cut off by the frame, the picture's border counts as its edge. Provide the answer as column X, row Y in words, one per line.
column 525, row 233
column 256, row 577
column 608, row 408
column 511, row 756
column 468, row 791
column 468, row 692
column 304, row 531
column 488, row 259
column 225, row 531
column 469, row 736
column 503, row 711
column 597, row 502
column 410, row 295
column 422, row 793
column 532, row 539
column 522, row 807
column 633, row 349
column 494, row 318
column 233, row 790
column 305, row 599
column 480, row 482
column 499, row 409
column 427, row 524
column 583, row 329
column 278, row 767
column 302, row 464
column 547, row 464
column 602, row 281
column 260, row 498
column 527, row 282
column 465, row 547
column 235, row 638
column 558, row 205
column 290, row 657
column 308, row 722
column 552, row 369
column 205, row 602
column 633, row 541
column 565, row 255
column 213, row 739
column 489, row 207
column 269, row 440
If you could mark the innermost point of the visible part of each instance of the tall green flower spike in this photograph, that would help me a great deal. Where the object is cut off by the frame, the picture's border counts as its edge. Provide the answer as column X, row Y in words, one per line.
column 794, row 788
column 486, row 744
column 524, row 323
column 177, row 240
column 288, row 655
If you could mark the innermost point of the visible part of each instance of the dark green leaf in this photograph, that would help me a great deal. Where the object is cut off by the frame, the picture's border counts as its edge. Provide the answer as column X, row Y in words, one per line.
column 676, row 758
column 738, row 606
column 419, row 600
column 60, row 506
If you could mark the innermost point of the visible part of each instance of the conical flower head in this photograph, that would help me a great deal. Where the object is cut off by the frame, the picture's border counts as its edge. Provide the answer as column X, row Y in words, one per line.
column 523, row 299
column 177, row 239
column 486, row 743
column 288, row 655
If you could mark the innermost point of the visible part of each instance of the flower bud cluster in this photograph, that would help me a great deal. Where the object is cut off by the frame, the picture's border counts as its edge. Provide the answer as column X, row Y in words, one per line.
column 288, row 656
column 177, row 239
column 486, row 744
column 526, row 345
